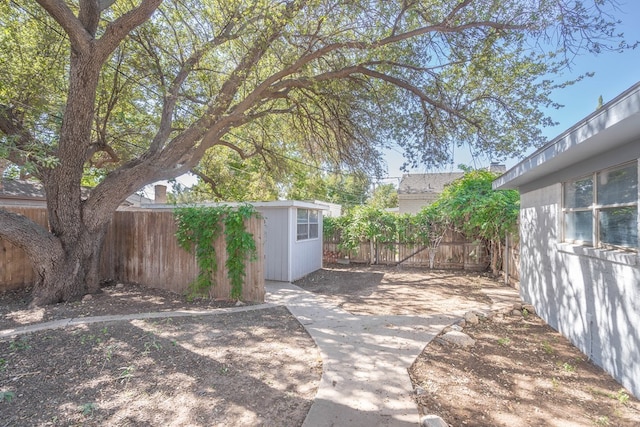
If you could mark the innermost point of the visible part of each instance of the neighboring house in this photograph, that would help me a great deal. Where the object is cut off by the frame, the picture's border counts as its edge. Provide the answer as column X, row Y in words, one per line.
column 15, row 192
column 418, row 190
column 293, row 236
column 333, row 210
column 580, row 265
column 21, row 193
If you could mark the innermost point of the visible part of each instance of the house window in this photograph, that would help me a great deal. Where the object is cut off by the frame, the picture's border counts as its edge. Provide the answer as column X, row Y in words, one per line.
column 601, row 209
column 307, row 224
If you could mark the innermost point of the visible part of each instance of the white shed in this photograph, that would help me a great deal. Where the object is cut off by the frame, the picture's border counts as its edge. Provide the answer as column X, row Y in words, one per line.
column 293, row 238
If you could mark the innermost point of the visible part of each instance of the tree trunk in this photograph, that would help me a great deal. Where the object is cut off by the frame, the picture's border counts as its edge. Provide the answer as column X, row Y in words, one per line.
column 71, row 272
column 496, row 249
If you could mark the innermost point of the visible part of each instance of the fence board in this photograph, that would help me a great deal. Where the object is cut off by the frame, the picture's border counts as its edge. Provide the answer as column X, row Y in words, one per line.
column 15, row 267
column 454, row 252
column 140, row 247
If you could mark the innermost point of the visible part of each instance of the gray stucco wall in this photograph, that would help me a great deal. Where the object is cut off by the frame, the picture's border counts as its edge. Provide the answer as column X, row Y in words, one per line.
column 591, row 296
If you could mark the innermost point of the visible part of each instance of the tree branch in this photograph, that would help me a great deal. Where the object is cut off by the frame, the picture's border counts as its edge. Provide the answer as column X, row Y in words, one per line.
column 89, row 15
column 117, row 30
column 62, row 14
column 29, row 236
column 209, row 181
column 11, row 126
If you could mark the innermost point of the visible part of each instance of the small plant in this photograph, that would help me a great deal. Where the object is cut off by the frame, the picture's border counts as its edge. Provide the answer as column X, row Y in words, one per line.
column 504, row 341
column 88, row 408
column 547, row 347
column 568, row 367
column 3, row 364
column 126, row 373
column 6, row 396
column 20, row 345
column 84, row 339
column 151, row 344
column 602, row 421
column 108, row 354
column 555, row 383
column 525, row 313
column 622, row 396
column 224, row 369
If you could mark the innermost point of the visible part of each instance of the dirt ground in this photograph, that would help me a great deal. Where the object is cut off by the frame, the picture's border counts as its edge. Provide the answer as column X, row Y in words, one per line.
column 260, row 367
column 519, row 373
column 256, row 367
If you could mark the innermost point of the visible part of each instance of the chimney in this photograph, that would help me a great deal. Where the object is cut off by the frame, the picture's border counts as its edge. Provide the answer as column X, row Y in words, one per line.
column 161, row 194
column 497, row 167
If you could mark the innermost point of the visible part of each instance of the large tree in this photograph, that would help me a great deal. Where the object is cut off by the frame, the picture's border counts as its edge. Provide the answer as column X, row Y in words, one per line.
column 141, row 89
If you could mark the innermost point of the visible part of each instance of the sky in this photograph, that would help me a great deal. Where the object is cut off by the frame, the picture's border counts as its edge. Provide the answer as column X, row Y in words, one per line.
column 614, row 73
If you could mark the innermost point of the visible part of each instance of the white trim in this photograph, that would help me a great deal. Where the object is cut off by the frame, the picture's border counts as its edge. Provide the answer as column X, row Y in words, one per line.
column 613, row 125
column 611, row 255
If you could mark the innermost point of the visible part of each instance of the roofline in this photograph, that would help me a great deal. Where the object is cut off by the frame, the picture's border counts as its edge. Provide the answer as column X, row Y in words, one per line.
column 271, row 204
column 609, row 115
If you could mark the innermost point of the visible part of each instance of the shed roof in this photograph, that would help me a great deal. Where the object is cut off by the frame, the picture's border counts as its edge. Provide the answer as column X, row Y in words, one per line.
column 417, row 183
column 271, row 204
column 614, row 125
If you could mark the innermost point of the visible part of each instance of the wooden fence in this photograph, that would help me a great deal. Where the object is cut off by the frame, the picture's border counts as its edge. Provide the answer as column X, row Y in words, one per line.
column 511, row 260
column 454, row 252
column 140, row 247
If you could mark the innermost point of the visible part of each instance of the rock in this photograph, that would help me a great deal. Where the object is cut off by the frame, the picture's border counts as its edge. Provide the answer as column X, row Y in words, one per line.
column 530, row 309
column 515, row 312
column 87, row 297
column 471, row 318
column 462, row 323
column 490, row 315
column 120, row 286
column 459, row 338
column 482, row 315
column 240, row 303
column 517, row 306
column 452, row 328
column 432, row 421
column 419, row 391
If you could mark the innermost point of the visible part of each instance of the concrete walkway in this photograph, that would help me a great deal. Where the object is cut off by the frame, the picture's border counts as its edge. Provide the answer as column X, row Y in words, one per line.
column 365, row 381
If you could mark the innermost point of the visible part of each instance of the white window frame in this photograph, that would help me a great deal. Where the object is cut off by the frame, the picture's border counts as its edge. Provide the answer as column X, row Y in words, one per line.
column 596, row 208
column 308, row 222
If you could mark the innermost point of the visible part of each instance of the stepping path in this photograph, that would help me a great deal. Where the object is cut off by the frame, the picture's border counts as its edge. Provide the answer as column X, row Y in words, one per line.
column 365, row 381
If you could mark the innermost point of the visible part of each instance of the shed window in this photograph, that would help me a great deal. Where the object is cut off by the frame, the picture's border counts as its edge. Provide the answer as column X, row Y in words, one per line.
column 307, row 224
column 601, row 210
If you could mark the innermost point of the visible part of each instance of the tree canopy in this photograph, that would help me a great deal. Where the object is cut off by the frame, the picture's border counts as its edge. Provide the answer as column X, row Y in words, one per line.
column 141, row 90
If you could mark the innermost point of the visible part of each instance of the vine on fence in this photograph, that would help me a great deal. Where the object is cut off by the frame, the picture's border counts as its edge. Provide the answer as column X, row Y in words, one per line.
column 469, row 206
column 198, row 229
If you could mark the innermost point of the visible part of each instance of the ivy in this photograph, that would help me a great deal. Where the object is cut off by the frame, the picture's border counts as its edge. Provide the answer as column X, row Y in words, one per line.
column 240, row 246
column 469, row 206
column 200, row 227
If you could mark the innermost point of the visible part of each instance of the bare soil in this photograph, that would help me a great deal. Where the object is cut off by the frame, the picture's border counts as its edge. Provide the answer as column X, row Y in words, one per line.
column 256, row 367
column 520, row 372
column 260, row 367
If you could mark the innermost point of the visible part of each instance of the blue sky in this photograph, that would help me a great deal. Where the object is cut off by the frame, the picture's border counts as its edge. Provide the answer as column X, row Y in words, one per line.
column 614, row 72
